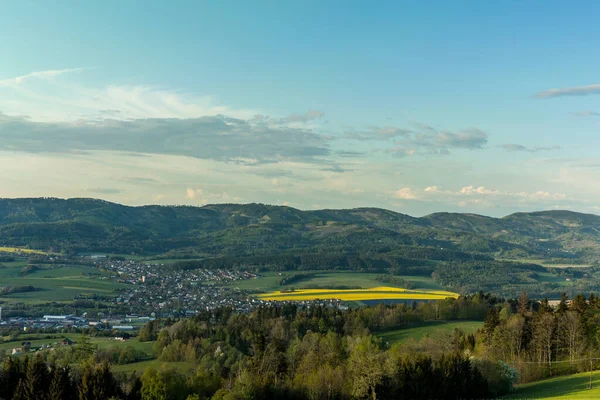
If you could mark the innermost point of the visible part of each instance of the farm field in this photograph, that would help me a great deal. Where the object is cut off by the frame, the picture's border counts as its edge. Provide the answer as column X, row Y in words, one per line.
column 20, row 250
column 269, row 281
column 428, row 328
column 562, row 387
column 56, row 283
column 376, row 293
column 100, row 342
column 546, row 264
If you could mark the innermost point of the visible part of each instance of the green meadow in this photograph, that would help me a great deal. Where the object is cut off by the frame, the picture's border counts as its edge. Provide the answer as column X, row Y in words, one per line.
column 562, row 387
column 430, row 328
column 55, row 283
column 269, row 281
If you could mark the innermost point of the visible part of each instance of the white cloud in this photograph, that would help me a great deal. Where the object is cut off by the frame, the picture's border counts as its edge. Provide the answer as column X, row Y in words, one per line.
column 405, row 194
column 37, row 75
column 570, row 91
column 190, row 193
column 468, row 190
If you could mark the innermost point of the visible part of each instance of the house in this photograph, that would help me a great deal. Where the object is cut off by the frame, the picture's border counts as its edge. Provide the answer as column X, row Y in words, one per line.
column 67, row 342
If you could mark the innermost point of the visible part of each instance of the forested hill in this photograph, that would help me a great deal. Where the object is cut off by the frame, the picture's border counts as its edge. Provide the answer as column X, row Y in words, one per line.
column 78, row 225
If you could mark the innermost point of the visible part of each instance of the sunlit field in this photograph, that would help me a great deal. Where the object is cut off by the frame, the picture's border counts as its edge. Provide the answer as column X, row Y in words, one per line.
column 20, row 250
column 376, row 293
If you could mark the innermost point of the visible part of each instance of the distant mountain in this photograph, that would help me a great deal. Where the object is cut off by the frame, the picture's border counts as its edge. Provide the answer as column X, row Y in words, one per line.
column 78, row 225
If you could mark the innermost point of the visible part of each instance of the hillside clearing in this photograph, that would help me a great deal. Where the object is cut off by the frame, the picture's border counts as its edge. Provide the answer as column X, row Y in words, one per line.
column 562, row 387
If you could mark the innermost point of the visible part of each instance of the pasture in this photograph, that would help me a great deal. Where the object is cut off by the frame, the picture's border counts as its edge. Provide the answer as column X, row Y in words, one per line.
column 562, row 387
column 431, row 328
column 376, row 293
column 55, row 283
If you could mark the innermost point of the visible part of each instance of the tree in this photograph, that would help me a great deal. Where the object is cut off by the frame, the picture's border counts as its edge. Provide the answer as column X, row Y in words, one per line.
column 544, row 332
column 36, row 382
column 491, row 322
column 571, row 334
column 515, row 326
column 153, row 387
column 365, row 365
column 11, row 375
column 60, row 385
column 562, row 305
column 523, row 303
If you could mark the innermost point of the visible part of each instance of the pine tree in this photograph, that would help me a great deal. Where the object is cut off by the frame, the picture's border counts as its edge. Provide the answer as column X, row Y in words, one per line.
column 105, row 386
column 562, row 305
column 37, row 379
column 11, row 375
column 135, row 393
column 86, row 386
column 22, row 392
column 491, row 322
column 61, row 387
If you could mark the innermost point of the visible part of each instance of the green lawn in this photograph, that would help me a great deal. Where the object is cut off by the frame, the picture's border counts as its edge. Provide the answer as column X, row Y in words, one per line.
column 269, row 281
column 144, row 347
column 430, row 328
column 562, row 387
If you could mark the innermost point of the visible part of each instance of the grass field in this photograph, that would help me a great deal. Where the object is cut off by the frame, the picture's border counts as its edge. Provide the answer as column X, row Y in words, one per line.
column 100, row 342
column 269, row 281
column 376, row 293
column 140, row 366
column 562, row 387
column 428, row 328
column 546, row 264
column 56, row 283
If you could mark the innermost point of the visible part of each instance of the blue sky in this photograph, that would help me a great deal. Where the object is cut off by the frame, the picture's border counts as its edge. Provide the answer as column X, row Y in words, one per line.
column 412, row 106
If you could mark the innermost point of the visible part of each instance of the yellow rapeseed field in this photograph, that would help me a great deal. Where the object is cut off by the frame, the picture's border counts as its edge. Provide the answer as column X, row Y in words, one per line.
column 20, row 250
column 377, row 293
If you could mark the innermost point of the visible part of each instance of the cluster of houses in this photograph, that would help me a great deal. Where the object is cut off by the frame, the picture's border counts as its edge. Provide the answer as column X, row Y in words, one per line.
column 26, row 347
column 170, row 291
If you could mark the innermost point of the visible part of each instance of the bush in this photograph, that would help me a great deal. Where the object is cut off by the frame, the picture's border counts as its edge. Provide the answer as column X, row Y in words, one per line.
column 500, row 376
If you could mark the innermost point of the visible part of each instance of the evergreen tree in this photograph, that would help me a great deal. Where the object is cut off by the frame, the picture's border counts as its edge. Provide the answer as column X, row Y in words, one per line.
column 562, row 305
column 37, row 379
column 61, row 387
column 491, row 322
column 22, row 391
column 86, row 385
column 11, row 375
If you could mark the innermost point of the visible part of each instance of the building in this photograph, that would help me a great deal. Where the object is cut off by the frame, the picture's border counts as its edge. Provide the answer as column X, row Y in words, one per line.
column 123, row 327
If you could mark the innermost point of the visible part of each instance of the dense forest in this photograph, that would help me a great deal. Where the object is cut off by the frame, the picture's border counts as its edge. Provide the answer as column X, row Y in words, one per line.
column 78, row 225
column 294, row 352
column 275, row 352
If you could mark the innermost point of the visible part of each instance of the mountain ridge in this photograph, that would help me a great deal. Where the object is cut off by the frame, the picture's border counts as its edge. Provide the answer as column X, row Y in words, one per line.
column 85, row 224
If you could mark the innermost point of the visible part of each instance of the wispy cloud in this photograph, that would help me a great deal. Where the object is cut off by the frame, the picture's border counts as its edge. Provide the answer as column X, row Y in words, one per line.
column 38, row 75
column 587, row 113
column 518, row 147
column 570, row 91
column 436, row 193
column 104, row 191
column 438, row 143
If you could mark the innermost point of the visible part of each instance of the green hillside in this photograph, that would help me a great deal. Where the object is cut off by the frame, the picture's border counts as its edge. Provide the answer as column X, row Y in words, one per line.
column 465, row 252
